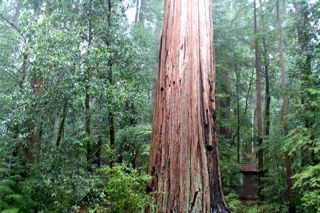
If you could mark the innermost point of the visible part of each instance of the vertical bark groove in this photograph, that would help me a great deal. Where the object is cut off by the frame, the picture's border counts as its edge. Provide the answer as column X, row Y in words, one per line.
column 184, row 157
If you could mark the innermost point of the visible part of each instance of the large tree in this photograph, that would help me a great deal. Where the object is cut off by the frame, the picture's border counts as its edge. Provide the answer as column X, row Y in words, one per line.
column 184, row 157
column 292, row 208
column 258, row 94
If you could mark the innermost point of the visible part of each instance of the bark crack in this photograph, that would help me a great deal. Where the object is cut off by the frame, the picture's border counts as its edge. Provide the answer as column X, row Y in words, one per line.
column 194, row 200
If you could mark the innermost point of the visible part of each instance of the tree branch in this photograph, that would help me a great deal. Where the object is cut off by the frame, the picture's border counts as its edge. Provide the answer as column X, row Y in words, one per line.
column 12, row 25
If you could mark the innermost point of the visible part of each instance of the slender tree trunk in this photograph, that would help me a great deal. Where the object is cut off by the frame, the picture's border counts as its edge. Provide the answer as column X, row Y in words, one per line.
column 248, row 92
column 292, row 208
column 267, row 89
column 16, row 16
column 87, row 92
column 224, row 107
column 88, row 126
column 258, row 94
column 110, row 80
column 238, row 110
column 184, row 157
column 137, row 11
column 142, row 11
column 33, row 143
column 98, row 153
column 62, row 123
column 266, row 75
column 157, row 31
column 52, row 122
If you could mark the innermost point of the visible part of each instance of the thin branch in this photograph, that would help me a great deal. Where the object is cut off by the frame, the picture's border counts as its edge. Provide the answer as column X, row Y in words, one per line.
column 13, row 26
column 248, row 92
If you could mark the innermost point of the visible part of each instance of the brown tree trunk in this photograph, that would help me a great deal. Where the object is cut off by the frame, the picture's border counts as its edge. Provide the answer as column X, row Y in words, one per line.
column 267, row 89
column 266, row 77
column 184, row 157
column 292, row 208
column 62, row 123
column 33, row 143
column 258, row 94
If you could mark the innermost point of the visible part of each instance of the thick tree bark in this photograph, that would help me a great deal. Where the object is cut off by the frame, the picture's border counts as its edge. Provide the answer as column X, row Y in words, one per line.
column 292, row 208
column 184, row 158
column 258, row 94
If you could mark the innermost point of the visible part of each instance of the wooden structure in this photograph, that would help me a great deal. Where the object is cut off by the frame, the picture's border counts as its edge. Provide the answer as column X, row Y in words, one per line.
column 249, row 188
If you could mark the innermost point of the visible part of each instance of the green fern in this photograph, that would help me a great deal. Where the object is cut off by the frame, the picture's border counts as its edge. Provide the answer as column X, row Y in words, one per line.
column 10, row 179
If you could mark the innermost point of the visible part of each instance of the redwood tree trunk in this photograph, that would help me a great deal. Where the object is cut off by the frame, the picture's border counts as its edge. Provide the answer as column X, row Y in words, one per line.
column 184, row 156
column 258, row 94
column 266, row 78
column 292, row 208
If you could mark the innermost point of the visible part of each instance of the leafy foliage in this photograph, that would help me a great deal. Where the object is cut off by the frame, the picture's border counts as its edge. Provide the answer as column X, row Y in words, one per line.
column 124, row 189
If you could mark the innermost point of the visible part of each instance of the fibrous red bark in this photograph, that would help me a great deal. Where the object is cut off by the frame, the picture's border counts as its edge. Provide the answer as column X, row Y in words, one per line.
column 184, row 156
